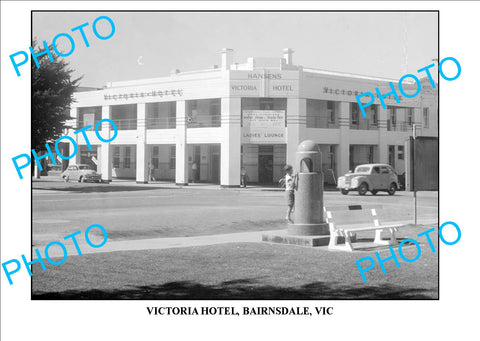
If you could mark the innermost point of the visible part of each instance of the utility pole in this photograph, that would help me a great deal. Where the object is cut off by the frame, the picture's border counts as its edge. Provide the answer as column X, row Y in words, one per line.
column 414, row 126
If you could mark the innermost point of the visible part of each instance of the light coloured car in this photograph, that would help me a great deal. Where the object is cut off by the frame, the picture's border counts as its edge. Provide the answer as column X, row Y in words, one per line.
column 370, row 177
column 81, row 173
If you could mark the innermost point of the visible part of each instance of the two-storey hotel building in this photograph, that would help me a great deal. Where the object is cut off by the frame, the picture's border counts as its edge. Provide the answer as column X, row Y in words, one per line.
column 206, row 125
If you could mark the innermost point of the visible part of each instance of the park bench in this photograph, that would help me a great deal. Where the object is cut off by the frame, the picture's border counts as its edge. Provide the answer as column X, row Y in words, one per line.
column 345, row 221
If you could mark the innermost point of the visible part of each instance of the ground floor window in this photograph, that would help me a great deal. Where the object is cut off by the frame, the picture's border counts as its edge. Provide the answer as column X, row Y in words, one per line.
column 155, row 157
column 362, row 154
column 391, row 156
column 172, row 158
column 401, row 153
column 89, row 157
column 116, row 157
column 126, row 159
column 426, row 119
column 124, row 162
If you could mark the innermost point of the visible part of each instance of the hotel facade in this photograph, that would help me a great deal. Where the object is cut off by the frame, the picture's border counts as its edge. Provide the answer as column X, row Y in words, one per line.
column 206, row 125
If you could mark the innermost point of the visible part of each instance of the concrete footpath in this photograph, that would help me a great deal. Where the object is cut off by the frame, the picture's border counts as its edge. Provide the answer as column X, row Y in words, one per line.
column 154, row 243
column 172, row 242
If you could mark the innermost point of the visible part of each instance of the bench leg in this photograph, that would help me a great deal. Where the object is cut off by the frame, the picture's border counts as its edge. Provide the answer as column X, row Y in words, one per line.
column 348, row 242
column 378, row 238
column 393, row 238
column 353, row 237
column 333, row 244
column 333, row 240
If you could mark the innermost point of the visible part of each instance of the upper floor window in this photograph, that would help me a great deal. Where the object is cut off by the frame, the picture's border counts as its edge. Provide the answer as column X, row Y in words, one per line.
column 321, row 114
column 393, row 116
column 124, row 116
column 203, row 113
column 89, row 116
column 410, row 116
column 161, row 115
column 375, row 114
column 354, row 113
column 331, row 112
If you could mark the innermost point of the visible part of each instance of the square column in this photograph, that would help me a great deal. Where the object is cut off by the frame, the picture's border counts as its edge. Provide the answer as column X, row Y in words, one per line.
column 344, row 146
column 181, row 158
column 142, row 167
column 382, row 135
column 296, row 127
column 105, row 147
column 231, row 142
column 74, row 122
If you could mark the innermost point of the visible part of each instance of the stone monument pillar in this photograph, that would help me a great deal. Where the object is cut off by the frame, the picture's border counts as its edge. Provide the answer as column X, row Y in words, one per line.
column 309, row 227
column 308, row 218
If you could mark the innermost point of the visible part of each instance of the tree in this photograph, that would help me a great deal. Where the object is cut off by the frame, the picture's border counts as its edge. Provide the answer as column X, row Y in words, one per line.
column 52, row 95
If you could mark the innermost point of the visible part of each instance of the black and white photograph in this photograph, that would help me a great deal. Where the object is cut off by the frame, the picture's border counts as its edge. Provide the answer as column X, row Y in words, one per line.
column 169, row 165
column 237, row 171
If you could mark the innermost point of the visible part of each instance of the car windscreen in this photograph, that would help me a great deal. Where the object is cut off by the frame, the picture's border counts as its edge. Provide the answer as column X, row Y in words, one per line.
column 362, row 170
column 84, row 167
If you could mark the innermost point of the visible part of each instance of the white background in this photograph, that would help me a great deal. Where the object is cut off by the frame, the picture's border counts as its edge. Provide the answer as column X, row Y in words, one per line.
column 454, row 316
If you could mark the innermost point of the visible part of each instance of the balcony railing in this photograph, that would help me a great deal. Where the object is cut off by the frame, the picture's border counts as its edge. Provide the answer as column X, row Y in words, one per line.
column 204, row 121
column 320, row 122
column 161, row 123
column 126, row 124
column 398, row 126
column 364, row 125
column 81, row 124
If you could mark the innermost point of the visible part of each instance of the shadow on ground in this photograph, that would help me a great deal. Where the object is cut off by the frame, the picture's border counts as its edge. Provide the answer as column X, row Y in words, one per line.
column 101, row 188
column 245, row 289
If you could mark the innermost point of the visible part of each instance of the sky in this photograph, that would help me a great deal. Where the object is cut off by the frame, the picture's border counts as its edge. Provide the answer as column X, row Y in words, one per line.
column 382, row 44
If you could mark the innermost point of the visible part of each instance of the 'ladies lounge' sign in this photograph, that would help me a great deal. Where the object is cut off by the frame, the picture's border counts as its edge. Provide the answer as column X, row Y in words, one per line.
column 263, row 126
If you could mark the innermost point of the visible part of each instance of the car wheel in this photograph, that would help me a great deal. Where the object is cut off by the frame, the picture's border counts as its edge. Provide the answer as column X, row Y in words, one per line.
column 392, row 189
column 344, row 191
column 66, row 178
column 363, row 189
column 374, row 192
column 81, row 179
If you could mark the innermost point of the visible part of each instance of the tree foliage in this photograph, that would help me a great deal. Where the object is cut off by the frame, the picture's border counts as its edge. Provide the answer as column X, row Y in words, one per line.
column 52, row 95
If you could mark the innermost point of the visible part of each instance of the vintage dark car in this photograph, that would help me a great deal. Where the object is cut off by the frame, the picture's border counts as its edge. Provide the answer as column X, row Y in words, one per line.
column 371, row 177
column 81, row 173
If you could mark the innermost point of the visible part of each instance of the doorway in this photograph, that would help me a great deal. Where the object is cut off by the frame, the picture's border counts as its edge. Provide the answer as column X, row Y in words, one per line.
column 215, row 163
column 196, row 168
column 265, row 169
column 265, row 164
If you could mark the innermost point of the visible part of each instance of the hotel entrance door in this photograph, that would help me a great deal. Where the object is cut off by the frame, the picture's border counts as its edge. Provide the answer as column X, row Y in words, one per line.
column 265, row 169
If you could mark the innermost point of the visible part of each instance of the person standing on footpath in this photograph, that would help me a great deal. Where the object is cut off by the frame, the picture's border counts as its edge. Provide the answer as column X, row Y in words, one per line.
column 150, row 172
column 243, row 178
column 194, row 171
column 290, row 186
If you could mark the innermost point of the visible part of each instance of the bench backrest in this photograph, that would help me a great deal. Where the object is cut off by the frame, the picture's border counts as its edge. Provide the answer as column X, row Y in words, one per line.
column 353, row 215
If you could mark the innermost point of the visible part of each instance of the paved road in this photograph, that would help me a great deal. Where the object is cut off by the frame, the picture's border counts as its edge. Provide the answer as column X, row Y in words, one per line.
column 129, row 211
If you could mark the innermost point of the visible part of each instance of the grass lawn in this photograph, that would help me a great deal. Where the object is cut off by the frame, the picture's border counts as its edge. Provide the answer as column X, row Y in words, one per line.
column 238, row 271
